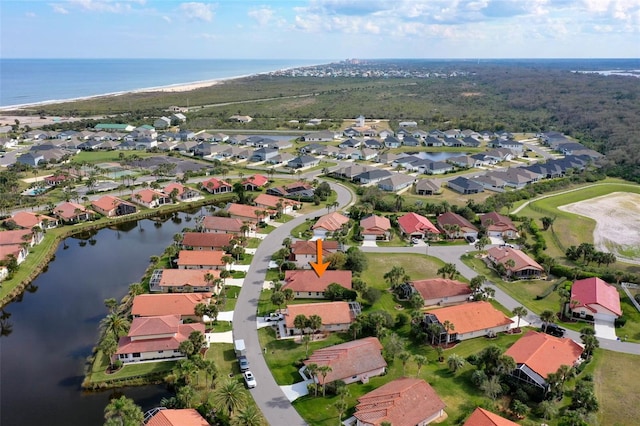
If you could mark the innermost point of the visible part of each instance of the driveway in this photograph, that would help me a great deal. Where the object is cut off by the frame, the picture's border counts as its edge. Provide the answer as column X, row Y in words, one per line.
column 605, row 329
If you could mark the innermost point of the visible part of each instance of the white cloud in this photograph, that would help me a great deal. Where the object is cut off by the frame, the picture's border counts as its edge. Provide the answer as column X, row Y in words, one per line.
column 262, row 15
column 30, row 15
column 197, row 11
column 57, row 8
column 167, row 19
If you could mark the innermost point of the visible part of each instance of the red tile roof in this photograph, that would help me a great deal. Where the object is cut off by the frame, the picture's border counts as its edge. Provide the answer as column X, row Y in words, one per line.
column 213, row 184
column 482, row 417
column 67, row 210
column 200, row 258
column 244, row 211
column 450, row 218
column 498, row 222
column 183, row 304
column 470, row 317
column 153, row 326
column 182, row 277
column 15, row 237
column 28, row 220
column 147, row 195
column 308, row 280
column 401, row 402
column 411, row 223
column 543, row 353
column 594, row 291
column 522, row 261
column 330, row 312
column 349, row 359
column 181, row 417
column 108, row 202
column 433, row 288
column 167, row 189
column 206, row 239
column 256, row 180
column 13, row 249
column 331, row 222
column 375, row 225
column 221, row 223
column 152, row 334
column 309, row 247
column 272, row 201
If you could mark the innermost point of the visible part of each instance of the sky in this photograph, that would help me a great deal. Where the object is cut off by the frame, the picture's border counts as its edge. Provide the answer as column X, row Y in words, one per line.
column 320, row 29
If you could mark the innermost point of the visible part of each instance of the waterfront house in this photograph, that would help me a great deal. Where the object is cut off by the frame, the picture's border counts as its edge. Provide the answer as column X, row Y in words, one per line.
column 184, row 281
column 155, row 339
column 150, row 198
column 182, row 193
column 201, row 259
column 245, row 213
column 276, row 204
column 111, row 206
column 350, row 362
column 69, row 212
column 200, row 241
column 216, row 186
column 224, row 225
column 183, row 304
column 29, row 220
column 176, row 417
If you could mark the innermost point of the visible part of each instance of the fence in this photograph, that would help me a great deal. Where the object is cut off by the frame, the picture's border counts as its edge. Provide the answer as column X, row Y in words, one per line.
column 626, row 287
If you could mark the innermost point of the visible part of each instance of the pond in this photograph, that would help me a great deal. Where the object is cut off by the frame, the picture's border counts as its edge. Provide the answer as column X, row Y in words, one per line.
column 54, row 325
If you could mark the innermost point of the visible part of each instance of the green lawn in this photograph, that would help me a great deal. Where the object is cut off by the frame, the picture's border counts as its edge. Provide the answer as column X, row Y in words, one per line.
column 617, row 384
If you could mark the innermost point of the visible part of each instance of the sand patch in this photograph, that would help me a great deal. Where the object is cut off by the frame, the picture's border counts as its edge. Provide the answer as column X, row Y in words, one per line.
column 617, row 217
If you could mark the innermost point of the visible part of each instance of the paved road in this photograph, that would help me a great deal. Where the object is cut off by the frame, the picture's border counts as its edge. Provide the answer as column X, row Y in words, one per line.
column 272, row 401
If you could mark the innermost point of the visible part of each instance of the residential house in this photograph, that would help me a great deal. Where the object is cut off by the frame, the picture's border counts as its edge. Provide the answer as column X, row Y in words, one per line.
column 322, row 136
column 365, row 154
column 482, row 417
column 387, row 158
column 490, row 182
column 182, row 193
column 155, row 339
column 595, row 299
column 538, row 354
column 350, row 362
column 499, row 154
column 470, row 320
column 205, row 241
column 433, row 141
column 69, row 212
column 245, row 213
column 464, row 161
column 19, row 237
column 255, row 182
column 176, row 417
column 18, row 251
column 456, row 226
column 350, row 143
column 392, row 142
column 331, row 151
column 183, row 304
column 336, row 316
column 264, row 154
column 452, row 142
column 56, row 180
column 314, row 148
column 409, row 140
column 29, row 220
column 413, row 225
column 396, row 182
column 437, row 168
column 276, row 204
column 438, row 291
column 225, row 225
column 201, row 259
column 350, row 172
column 216, row 186
column 162, row 123
column 375, row 228
column 511, row 178
column 427, row 187
column 283, row 158
column 303, row 161
column 517, row 264
column 464, row 186
column 306, row 284
column 150, row 198
column 241, row 118
column 406, row 401
column 372, row 176
column 498, row 225
column 111, row 206
column 516, row 147
column 373, row 144
column 328, row 224
column 300, row 190
column 184, row 281
column 470, row 142
column 303, row 252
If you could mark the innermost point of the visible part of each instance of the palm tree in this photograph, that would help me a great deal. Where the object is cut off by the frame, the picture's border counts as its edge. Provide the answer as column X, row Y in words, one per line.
column 520, row 312
column 109, row 346
column 324, row 370
column 420, row 360
column 249, row 416
column 404, row 357
column 230, row 395
column 116, row 324
column 394, row 276
column 123, row 411
column 547, row 317
column 448, row 326
column 185, row 396
column 455, row 362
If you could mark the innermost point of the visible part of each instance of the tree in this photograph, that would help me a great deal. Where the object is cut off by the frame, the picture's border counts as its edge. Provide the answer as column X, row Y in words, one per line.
column 249, row 416
column 481, row 243
column 315, row 323
column 111, row 304
column 186, row 347
column 312, row 369
column 492, row 387
column 449, row 269
column 116, row 324
column 198, row 340
column 393, row 346
column 355, row 328
column 547, row 409
column 404, row 357
column 565, row 297
column 394, row 276
column 547, row 222
column 416, row 301
column 547, row 317
column 278, row 298
column 123, row 411
column 185, row 396
column 520, row 312
column 109, row 346
column 356, row 260
column 455, row 362
column 300, row 322
column 590, row 343
column 519, row 408
column 476, row 283
column 420, row 360
column 306, row 339
column 448, row 327
column 324, row 370
column 230, row 395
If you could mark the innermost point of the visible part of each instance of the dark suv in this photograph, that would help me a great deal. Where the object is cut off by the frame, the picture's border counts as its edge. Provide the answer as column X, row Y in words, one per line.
column 554, row 330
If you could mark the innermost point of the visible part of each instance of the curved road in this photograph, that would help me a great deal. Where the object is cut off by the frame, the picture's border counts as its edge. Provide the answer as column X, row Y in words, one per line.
column 275, row 407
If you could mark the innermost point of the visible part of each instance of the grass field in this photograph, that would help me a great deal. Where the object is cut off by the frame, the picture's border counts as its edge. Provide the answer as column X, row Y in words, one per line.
column 617, row 381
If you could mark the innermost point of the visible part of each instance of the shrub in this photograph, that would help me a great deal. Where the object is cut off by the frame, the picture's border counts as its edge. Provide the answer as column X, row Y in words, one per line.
column 620, row 321
column 401, row 319
column 371, row 295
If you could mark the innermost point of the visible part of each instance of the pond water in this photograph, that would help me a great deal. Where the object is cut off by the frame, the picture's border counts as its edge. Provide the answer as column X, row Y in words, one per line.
column 54, row 325
column 435, row 156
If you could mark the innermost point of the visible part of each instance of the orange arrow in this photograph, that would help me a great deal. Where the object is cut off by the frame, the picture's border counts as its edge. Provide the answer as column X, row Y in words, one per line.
column 318, row 266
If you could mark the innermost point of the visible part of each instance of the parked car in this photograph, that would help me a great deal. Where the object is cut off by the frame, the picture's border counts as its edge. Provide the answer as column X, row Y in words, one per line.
column 554, row 330
column 415, row 241
column 274, row 316
column 244, row 363
column 470, row 239
column 249, row 379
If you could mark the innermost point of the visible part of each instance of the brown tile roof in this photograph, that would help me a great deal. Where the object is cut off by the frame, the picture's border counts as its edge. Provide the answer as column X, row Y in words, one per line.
column 433, row 288
column 67, row 210
column 482, row 417
column 181, row 417
column 272, row 201
column 167, row 189
column 543, row 353
column 181, row 277
column 183, row 304
column 213, row 184
column 221, row 223
column 498, row 222
column 147, row 195
column 412, row 222
column 470, row 317
column 330, row 312
column 245, row 211
column 140, row 337
column 521, row 260
column 401, row 402
column 256, row 180
column 108, row 202
column 331, row 222
column 28, row 220
column 375, row 224
column 164, row 324
column 309, row 247
column 308, row 280
column 206, row 239
column 450, row 218
column 349, row 359
column 594, row 291
column 15, row 237
column 13, row 249
column 200, row 258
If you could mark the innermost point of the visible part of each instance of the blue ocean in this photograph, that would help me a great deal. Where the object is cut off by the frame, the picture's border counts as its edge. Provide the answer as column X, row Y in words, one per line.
column 28, row 81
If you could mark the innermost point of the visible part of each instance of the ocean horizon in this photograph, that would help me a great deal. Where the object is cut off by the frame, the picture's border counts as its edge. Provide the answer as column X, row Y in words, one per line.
column 40, row 81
